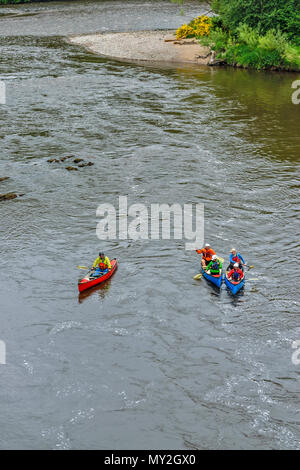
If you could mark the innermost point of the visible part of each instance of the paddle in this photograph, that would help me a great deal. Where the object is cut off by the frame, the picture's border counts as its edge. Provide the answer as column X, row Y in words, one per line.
column 249, row 267
column 198, row 276
column 82, row 267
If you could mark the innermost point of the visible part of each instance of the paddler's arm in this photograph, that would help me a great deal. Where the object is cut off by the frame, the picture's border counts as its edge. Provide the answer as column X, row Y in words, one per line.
column 208, row 266
column 220, row 265
column 96, row 262
column 107, row 262
column 241, row 258
column 199, row 251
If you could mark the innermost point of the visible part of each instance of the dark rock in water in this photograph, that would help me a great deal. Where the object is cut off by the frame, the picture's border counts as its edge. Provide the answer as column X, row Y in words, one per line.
column 51, row 160
column 71, row 168
column 86, row 164
column 78, row 160
column 8, row 196
column 4, row 178
column 62, row 159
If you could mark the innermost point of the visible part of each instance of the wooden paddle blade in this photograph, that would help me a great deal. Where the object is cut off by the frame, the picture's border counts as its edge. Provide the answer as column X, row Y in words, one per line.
column 82, row 267
column 197, row 277
column 250, row 267
column 222, row 260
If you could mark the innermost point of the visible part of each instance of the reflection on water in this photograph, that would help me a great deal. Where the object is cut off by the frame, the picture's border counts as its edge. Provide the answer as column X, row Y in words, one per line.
column 100, row 291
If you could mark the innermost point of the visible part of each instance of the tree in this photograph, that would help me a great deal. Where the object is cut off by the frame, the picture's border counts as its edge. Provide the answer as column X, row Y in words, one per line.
column 261, row 14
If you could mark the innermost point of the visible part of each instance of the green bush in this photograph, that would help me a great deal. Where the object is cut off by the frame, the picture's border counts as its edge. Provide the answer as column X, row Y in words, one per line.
column 246, row 56
column 261, row 14
column 248, row 35
column 217, row 22
column 219, row 39
column 247, row 48
column 274, row 41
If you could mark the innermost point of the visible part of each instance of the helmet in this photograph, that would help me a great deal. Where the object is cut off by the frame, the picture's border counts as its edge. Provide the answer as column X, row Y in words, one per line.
column 214, row 257
column 101, row 254
column 236, row 265
column 207, row 245
column 233, row 250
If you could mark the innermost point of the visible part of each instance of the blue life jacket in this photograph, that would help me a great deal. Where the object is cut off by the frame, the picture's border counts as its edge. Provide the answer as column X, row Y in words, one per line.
column 215, row 266
column 99, row 271
column 236, row 276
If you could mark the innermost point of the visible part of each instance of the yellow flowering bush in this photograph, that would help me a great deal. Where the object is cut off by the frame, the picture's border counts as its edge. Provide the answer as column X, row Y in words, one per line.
column 198, row 27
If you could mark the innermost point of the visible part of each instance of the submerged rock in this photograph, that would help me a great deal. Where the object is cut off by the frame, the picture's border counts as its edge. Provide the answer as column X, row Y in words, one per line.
column 86, row 164
column 71, row 168
column 8, row 196
column 53, row 160
column 78, row 160
column 4, row 178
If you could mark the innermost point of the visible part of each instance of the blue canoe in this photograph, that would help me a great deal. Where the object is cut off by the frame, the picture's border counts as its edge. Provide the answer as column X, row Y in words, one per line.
column 216, row 279
column 234, row 287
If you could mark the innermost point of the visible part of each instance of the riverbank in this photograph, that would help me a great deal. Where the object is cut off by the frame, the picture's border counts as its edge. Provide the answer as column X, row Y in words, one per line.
column 162, row 47
column 146, row 46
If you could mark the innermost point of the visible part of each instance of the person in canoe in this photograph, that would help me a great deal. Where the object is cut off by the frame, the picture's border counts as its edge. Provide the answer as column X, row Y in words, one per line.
column 215, row 266
column 235, row 257
column 101, row 264
column 236, row 274
column 207, row 254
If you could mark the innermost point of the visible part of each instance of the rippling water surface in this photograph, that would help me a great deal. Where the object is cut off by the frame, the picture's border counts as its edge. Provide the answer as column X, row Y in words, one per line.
column 153, row 359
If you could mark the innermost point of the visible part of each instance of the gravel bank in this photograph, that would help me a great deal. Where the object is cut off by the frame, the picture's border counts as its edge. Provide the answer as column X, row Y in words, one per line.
column 151, row 46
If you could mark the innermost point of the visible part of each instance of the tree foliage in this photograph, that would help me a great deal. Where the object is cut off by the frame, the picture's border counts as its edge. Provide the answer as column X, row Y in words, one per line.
column 261, row 14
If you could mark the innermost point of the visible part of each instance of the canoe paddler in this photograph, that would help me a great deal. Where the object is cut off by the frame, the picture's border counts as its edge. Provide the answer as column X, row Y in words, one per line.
column 236, row 274
column 207, row 254
column 235, row 257
column 102, row 262
column 215, row 266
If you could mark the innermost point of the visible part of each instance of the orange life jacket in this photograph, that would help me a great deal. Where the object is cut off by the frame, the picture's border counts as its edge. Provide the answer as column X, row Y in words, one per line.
column 207, row 253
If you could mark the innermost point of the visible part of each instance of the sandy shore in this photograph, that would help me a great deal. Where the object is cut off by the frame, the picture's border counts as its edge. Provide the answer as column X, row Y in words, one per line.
column 150, row 46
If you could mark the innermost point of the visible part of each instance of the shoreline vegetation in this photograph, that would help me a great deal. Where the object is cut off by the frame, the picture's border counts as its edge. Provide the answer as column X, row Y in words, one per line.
column 246, row 47
column 262, row 35
column 252, row 34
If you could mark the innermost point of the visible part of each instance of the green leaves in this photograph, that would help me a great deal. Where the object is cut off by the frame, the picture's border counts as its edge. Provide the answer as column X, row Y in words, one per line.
column 261, row 14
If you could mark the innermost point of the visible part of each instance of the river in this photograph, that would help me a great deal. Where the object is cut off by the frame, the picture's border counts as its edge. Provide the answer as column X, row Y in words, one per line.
column 154, row 359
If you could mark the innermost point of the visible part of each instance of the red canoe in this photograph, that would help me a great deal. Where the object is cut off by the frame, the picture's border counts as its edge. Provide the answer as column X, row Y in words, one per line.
column 89, row 281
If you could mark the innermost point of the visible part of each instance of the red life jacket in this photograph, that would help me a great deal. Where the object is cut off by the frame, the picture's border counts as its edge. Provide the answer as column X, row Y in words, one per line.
column 236, row 259
column 102, row 266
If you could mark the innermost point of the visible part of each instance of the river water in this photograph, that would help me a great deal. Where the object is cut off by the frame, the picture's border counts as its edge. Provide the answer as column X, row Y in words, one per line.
column 153, row 359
